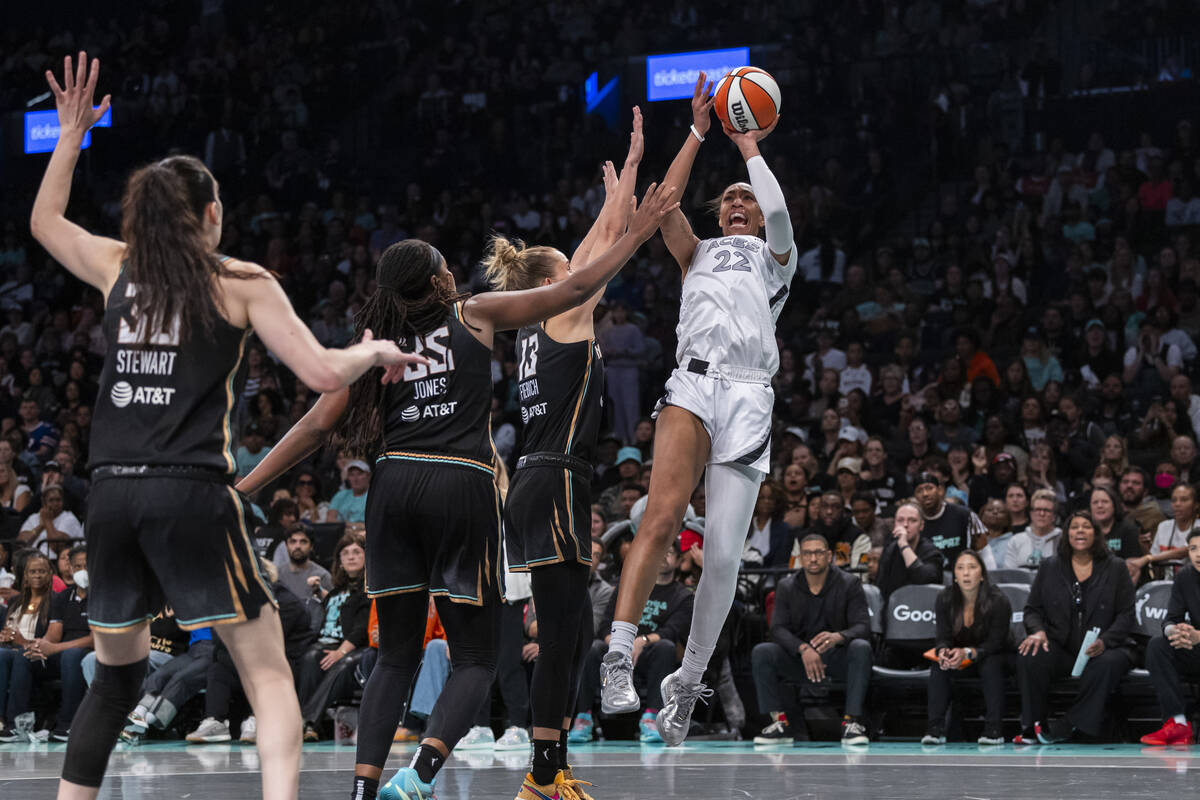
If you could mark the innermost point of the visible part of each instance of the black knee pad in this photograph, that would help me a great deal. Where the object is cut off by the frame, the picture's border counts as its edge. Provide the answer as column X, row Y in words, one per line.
column 113, row 694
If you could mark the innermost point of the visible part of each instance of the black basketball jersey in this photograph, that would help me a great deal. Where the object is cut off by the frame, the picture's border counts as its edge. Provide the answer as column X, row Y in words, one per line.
column 169, row 401
column 561, row 386
column 442, row 411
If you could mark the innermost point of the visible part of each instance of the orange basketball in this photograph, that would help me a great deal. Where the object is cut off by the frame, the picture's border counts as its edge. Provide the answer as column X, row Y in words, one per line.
column 747, row 99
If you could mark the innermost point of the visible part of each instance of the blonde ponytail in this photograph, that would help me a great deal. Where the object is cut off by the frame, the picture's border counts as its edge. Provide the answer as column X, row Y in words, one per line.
column 510, row 265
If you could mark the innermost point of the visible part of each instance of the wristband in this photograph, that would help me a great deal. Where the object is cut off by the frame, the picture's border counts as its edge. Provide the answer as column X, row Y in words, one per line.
column 696, row 133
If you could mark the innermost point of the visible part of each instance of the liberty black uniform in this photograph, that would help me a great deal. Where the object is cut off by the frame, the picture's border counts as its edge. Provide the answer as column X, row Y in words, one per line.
column 547, row 516
column 164, row 524
column 433, row 511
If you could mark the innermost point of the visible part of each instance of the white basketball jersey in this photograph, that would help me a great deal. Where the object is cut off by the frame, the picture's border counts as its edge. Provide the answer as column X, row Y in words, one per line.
column 733, row 293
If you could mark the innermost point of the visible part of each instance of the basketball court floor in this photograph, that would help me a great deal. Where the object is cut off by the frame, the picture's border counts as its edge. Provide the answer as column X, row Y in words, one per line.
column 696, row 771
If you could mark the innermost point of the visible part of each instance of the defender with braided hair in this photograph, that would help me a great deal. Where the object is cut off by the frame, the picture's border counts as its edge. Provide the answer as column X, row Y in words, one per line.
column 433, row 511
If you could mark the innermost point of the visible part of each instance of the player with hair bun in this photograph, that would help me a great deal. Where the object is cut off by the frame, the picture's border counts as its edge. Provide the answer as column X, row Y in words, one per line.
column 547, row 514
column 716, row 412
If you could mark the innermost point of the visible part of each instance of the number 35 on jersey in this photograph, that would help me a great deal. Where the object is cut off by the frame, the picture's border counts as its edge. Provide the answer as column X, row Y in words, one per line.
column 436, row 347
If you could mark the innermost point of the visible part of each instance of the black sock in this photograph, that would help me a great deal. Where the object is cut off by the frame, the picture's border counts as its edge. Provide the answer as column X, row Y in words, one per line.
column 562, row 751
column 545, row 761
column 427, row 762
column 364, row 788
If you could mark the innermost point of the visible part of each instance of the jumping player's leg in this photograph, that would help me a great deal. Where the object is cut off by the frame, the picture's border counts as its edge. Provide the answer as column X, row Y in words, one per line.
column 401, row 634
column 681, row 448
column 121, row 667
column 732, row 492
column 258, row 653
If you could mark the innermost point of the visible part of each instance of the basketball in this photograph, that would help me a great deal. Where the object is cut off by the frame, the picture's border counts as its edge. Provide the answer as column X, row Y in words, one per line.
column 747, row 99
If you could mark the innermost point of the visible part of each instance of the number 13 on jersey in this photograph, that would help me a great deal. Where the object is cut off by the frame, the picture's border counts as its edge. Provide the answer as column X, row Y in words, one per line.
column 436, row 347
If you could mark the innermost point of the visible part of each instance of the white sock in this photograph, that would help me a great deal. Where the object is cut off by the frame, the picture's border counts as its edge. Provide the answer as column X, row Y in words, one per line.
column 623, row 634
column 695, row 661
column 1181, row 719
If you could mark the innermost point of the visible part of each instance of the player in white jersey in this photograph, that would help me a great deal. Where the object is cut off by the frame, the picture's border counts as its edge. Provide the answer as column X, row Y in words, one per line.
column 716, row 414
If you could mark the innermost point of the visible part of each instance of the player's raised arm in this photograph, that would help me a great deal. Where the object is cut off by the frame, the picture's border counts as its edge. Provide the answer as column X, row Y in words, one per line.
column 322, row 369
column 676, row 230
column 501, row 311
column 767, row 192
column 618, row 207
column 96, row 260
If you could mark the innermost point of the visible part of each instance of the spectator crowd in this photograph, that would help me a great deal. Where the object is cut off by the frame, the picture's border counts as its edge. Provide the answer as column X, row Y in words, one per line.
column 985, row 440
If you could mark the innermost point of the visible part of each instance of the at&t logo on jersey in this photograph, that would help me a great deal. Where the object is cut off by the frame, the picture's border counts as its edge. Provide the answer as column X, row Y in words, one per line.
column 529, row 412
column 431, row 411
column 123, row 394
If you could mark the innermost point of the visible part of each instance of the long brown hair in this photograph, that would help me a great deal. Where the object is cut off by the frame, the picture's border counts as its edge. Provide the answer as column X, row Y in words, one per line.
column 162, row 223
column 404, row 306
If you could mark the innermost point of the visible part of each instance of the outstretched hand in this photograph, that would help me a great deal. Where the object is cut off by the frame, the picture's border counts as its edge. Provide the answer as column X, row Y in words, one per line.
column 702, row 104
column 393, row 360
column 637, row 142
column 656, row 204
column 74, row 97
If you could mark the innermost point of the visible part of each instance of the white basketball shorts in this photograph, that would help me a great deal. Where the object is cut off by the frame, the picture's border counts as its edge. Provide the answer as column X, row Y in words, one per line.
column 734, row 405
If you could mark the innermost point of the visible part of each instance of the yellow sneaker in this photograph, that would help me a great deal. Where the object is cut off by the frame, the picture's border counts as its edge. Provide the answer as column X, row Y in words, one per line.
column 532, row 791
column 572, row 787
column 404, row 735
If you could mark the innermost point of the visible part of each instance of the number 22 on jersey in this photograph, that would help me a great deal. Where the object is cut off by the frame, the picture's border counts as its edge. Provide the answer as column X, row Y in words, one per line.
column 724, row 257
column 436, row 347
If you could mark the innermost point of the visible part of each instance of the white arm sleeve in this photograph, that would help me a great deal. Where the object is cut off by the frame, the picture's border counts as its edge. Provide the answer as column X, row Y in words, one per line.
column 774, row 207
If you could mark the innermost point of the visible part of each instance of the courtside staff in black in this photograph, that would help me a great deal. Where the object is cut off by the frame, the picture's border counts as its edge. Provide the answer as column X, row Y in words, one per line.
column 433, row 514
column 165, row 525
column 547, row 515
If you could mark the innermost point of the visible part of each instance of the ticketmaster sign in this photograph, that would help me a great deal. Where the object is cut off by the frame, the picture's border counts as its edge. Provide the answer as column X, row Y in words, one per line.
column 673, row 76
column 41, row 130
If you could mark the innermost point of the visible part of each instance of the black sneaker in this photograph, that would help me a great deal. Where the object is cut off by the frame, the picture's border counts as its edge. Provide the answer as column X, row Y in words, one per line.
column 60, row 736
column 777, row 732
column 1059, row 730
column 934, row 735
column 854, row 732
column 8, row 735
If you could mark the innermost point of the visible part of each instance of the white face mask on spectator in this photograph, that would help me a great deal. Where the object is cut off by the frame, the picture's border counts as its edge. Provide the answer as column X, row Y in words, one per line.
column 81, row 578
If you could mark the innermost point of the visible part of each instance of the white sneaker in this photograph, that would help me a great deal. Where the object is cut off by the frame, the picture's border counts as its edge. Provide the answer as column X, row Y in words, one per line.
column 210, row 731
column 513, row 739
column 478, row 738
column 249, row 730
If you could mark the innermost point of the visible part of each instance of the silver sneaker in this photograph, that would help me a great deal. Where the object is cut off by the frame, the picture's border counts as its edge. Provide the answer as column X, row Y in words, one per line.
column 679, row 700
column 617, row 695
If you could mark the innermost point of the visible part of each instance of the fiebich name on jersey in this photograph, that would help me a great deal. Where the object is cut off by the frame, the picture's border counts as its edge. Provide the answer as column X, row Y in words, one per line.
column 528, row 389
column 738, row 242
column 145, row 362
column 529, row 412
column 123, row 394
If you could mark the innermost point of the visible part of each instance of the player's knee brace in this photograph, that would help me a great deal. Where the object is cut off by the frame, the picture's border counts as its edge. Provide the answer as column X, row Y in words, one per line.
column 101, row 715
